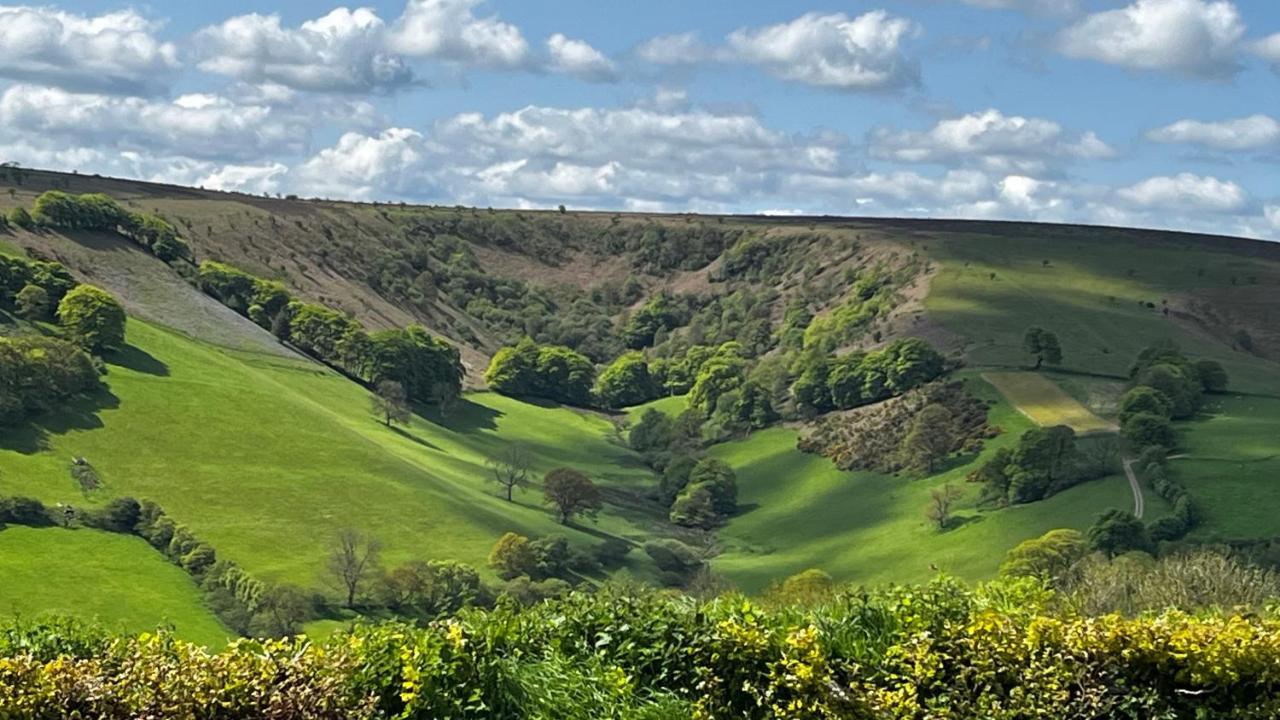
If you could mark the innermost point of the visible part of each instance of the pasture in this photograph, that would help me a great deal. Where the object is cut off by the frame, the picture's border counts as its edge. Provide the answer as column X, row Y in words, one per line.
column 117, row 580
column 1044, row 403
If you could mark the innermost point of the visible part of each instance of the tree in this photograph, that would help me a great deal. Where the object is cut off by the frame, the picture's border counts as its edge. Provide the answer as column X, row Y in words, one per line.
column 720, row 375
column 430, row 589
column 1043, row 345
column 32, row 302
column 571, row 493
column 281, row 611
column 941, row 502
column 92, row 318
column 695, row 508
column 1146, row 430
column 19, row 217
column 353, row 561
column 929, row 439
column 390, row 402
column 510, row 467
column 513, row 556
column 720, row 481
column 1048, row 556
column 1144, row 399
column 1174, row 381
column 1212, row 376
column 626, row 381
column 653, row 432
column 1118, row 531
column 806, row 588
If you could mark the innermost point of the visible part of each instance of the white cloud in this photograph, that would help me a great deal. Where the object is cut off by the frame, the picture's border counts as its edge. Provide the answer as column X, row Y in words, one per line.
column 365, row 167
column 681, row 49
column 862, row 53
column 1186, row 191
column 450, row 30
column 991, row 139
column 115, row 52
column 1247, row 133
column 1268, row 49
column 254, row 179
column 340, row 52
column 198, row 125
column 1272, row 213
column 1036, row 7
column 577, row 58
column 1197, row 38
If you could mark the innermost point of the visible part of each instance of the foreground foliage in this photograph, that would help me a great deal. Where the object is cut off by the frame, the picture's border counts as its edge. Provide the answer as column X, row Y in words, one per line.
column 939, row 650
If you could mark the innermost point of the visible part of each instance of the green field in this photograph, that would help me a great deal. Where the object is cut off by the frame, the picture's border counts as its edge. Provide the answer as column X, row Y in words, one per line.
column 800, row 511
column 1086, row 296
column 115, row 579
column 1232, row 466
column 1044, row 403
column 266, row 458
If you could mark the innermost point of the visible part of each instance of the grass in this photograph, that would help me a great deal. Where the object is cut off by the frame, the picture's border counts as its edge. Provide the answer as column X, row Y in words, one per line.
column 1230, row 462
column 116, row 579
column 1044, row 403
column 266, row 458
column 799, row 511
column 991, row 288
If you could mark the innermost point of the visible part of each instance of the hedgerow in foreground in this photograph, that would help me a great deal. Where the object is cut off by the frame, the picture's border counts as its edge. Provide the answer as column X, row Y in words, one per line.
column 934, row 651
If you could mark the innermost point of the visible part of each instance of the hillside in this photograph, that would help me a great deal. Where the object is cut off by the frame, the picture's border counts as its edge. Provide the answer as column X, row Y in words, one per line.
column 266, row 454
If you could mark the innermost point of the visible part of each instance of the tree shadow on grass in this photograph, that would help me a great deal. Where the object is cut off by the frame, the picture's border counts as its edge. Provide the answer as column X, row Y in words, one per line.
column 138, row 360
column 32, row 435
column 464, row 416
column 956, row 522
column 410, row 436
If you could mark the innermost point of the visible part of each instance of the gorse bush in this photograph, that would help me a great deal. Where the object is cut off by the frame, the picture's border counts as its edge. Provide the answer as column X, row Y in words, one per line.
column 1000, row 651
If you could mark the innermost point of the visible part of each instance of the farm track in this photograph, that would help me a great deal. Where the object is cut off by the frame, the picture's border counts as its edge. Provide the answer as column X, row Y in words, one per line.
column 1139, row 504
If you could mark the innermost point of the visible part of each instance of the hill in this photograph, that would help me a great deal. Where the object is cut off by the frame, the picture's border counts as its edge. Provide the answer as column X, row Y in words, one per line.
column 267, row 455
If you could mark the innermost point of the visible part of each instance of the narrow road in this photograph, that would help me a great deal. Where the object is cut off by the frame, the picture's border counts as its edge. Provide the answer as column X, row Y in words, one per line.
column 1138, row 505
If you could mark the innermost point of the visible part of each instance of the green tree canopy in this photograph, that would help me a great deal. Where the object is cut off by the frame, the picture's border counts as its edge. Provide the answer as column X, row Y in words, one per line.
column 92, row 318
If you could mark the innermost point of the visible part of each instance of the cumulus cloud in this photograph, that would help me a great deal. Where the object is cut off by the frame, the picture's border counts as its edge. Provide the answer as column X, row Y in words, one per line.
column 679, row 49
column 1268, row 49
column 365, row 167
column 1247, row 133
column 577, row 58
column 1198, row 38
column 587, row 156
column 450, row 30
column 989, row 138
column 836, row 51
column 115, row 52
column 1036, row 7
column 199, row 126
column 340, row 52
column 1186, row 191
column 1272, row 213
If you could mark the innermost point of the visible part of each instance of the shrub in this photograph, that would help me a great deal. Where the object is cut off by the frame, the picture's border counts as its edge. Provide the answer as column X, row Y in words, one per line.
column 671, row 555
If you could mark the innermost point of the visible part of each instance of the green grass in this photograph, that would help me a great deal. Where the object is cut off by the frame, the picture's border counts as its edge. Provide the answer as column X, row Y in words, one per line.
column 799, row 511
column 1045, row 403
column 267, row 458
column 115, row 579
column 1086, row 296
column 1232, row 466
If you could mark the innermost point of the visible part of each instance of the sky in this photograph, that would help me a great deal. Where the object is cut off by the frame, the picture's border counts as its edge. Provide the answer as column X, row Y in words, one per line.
column 1151, row 113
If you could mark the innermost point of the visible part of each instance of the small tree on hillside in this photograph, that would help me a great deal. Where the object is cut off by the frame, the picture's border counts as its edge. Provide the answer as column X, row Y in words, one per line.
column 930, row 438
column 510, row 467
column 571, row 493
column 391, row 402
column 32, row 302
column 1043, row 345
column 353, row 562
column 941, row 502
column 92, row 318
column 1117, row 532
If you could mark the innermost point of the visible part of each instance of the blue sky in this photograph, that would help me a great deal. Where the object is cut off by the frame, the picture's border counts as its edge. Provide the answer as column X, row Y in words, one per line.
column 1161, row 113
